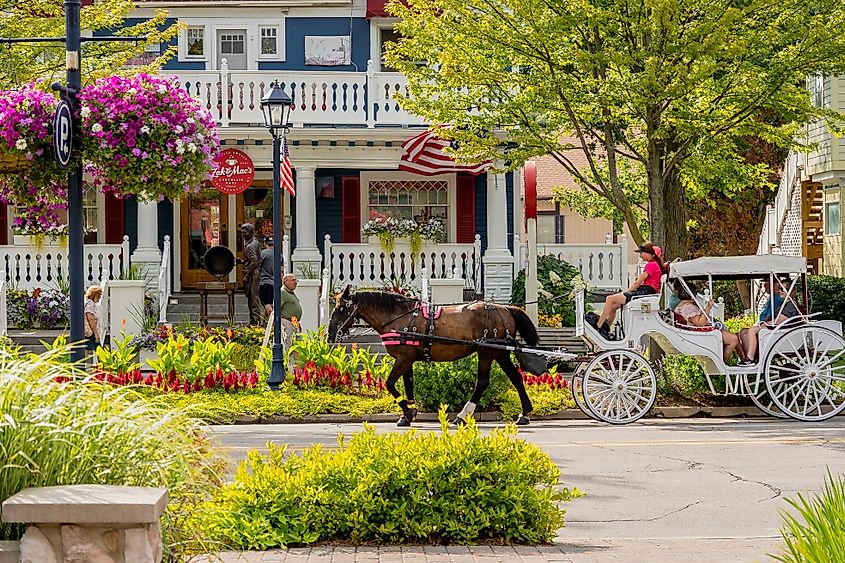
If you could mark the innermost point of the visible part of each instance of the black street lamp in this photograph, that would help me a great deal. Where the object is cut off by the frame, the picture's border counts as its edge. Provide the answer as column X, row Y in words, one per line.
column 276, row 106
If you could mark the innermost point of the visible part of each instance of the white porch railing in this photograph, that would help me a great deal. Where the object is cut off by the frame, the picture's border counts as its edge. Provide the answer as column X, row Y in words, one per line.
column 4, row 313
column 602, row 266
column 286, row 264
column 776, row 214
column 47, row 267
column 165, row 281
column 335, row 98
column 368, row 265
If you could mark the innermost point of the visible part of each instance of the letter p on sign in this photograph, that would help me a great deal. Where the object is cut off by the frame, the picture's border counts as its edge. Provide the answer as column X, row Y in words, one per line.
column 63, row 133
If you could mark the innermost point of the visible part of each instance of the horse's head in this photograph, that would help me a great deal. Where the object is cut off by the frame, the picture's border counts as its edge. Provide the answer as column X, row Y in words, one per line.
column 345, row 313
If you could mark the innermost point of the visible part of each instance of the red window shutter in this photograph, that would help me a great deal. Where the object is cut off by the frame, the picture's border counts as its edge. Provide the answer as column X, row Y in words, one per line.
column 4, row 224
column 351, row 212
column 466, row 210
column 114, row 219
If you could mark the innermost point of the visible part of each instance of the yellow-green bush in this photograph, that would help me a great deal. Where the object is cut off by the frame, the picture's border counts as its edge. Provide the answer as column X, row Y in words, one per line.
column 459, row 486
column 817, row 533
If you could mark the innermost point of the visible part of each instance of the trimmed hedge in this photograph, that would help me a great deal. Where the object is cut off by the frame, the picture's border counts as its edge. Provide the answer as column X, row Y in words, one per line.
column 456, row 486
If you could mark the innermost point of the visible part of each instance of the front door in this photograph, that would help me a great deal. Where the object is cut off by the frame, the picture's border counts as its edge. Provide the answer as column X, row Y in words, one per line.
column 231, row 45
column 205, row 223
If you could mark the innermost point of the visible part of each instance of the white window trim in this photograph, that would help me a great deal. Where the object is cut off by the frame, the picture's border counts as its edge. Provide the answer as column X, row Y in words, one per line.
column 183, row 44
column 376, row 25
column 379, row 176
column 279, row 43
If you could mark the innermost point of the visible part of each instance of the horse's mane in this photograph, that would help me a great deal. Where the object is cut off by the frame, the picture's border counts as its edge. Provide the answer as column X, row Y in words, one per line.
column 382, row 299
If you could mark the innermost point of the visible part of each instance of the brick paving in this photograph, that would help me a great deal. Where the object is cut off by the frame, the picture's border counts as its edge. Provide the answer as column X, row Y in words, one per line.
column 698, row 550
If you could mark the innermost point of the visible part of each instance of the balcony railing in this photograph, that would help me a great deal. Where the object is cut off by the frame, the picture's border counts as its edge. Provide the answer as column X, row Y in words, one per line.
column 320, row 98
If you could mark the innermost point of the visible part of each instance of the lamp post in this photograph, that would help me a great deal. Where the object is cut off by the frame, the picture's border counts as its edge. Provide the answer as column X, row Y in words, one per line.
column 276, row 106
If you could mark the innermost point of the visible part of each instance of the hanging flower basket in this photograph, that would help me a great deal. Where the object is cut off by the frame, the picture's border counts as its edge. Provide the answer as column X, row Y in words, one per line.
column 146, row 137
column 29, row 176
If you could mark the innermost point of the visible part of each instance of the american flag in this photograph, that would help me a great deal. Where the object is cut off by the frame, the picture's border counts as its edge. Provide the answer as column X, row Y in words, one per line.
column 287, row 173
column 424, row 155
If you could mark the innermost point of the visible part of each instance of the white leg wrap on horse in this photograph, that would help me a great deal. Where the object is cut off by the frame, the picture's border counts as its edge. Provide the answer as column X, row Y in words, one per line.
column 467, row 411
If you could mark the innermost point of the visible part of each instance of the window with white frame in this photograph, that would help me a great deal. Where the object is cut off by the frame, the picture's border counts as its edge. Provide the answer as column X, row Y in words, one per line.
column 269, row 41
column 831, row 218
column 386, row 34
column 419, row 200
column 232, row 44
column 195, row 42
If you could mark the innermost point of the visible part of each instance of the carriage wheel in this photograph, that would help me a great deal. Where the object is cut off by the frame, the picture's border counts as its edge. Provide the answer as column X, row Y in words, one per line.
column 761, row 397
column 619, row 386
column 805, row 373
column 577, row 390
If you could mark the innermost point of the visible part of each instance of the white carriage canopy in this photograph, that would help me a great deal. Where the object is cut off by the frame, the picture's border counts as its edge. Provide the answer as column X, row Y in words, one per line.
column 738, row 267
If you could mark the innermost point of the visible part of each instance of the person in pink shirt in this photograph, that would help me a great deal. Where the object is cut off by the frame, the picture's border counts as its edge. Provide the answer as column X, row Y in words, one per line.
column 648, row 283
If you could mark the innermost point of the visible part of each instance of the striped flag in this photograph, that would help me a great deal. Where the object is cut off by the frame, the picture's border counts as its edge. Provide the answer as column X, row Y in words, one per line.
column 287, row 172
column 424, row 155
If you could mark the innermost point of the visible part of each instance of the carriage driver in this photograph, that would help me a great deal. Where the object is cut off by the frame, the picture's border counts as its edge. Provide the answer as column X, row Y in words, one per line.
column 647, row 283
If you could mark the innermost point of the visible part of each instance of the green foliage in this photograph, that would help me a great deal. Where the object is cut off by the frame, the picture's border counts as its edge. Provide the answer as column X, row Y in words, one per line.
column 45, row 18
column 119, row 358
column 245, row 357
column 817, row 533
column 546, row 401
column 71, row 433
column 828, row 297
column 459, row 486
column 738, row 323
column 219, row 407
column 683, row 375
column 173, row 355
column 727, row 290
column 678, row 110
column 554, row 288
column 452, row 383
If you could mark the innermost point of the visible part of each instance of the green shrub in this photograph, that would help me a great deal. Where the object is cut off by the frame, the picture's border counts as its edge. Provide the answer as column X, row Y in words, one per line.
column 554, row 279
column 819, row 534
column 828, row 297
column 452, row 383
column 459, row 486
column 244, row 356
column 738, row 323
column 81, row 432
column 546, row 401
column 682, row 375
column 727, row 290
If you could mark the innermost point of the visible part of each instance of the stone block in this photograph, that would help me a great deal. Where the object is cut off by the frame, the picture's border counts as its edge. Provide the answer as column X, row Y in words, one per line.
column 10, row 551
column 86, row 504
column 36, row 548
column 84, row 545
column 138, row 548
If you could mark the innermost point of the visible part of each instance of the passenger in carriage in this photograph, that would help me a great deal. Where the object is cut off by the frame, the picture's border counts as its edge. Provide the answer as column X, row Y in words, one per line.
column 695, row 316
column 647, row 283
column 774, row 306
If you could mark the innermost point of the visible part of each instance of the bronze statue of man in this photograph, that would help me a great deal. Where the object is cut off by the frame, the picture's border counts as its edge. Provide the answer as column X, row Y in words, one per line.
column 252, row 277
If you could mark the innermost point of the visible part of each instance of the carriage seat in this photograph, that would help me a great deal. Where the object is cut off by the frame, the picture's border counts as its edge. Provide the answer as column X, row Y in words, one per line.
column 646, row 304
column 681, row 322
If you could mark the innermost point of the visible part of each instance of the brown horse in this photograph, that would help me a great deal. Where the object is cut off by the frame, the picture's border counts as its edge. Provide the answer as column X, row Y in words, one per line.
column 391, row 314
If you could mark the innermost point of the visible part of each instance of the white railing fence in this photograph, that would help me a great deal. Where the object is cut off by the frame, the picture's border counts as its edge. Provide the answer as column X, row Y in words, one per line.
column 602, row 266
column 286, row 265
column 368, row 265
column 337, row 98
column 165, row 282
column 773, row 222
column 105, row 311
column 324, row 297
column 4, row 317
column 47, row 267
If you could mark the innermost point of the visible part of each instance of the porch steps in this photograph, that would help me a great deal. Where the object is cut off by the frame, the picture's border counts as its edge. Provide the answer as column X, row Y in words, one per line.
column 561, row 338
column 185, row 308
column 30, row 340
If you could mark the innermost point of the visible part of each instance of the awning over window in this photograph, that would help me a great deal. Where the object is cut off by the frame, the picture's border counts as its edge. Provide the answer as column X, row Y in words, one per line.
column 376, row 9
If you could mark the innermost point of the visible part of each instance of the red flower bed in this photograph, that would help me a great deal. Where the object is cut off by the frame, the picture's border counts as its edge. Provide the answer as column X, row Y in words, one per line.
column 328, row 376
column 173, row 383
column 556, row 381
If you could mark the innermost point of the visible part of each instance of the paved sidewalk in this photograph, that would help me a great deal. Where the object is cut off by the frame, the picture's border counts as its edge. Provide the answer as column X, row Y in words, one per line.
column 697, row 550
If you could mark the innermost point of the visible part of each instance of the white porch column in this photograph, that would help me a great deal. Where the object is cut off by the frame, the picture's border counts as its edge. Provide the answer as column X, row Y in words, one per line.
column 147, row 255
column 498, row 260
column 306, row 256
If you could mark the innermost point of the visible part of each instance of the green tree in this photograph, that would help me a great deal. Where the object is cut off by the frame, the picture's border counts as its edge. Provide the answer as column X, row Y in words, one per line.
column 22, row 63
column 671, row 86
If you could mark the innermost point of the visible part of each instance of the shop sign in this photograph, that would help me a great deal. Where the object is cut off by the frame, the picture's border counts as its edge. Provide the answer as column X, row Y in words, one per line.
column 234, row 173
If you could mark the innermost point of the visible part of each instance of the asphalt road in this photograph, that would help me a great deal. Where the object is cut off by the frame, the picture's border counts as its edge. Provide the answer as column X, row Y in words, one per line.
column 658, row 490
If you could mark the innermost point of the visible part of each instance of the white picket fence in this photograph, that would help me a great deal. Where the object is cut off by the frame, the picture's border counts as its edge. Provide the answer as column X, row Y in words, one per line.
column 165, row 281
column 602, row 266
column 28, row 267
column 368, row 265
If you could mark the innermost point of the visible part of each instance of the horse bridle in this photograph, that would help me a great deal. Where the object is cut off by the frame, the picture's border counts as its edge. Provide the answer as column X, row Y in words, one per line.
column 343, row 328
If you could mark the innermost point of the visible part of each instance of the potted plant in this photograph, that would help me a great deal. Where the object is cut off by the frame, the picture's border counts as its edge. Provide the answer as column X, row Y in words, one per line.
column 146, row 137
column 388, row 229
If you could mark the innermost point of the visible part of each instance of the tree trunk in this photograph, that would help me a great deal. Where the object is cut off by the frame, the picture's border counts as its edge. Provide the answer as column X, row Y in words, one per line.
column 675, row 215
column 656, row 198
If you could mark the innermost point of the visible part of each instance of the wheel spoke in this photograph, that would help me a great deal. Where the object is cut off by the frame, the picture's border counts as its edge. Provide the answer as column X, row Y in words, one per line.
column 835, row 357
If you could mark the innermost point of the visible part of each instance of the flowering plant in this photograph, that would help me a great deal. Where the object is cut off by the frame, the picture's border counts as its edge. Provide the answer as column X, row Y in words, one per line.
column 387, row 229
column 29, row 177
column 40, row 308
column 146, row 137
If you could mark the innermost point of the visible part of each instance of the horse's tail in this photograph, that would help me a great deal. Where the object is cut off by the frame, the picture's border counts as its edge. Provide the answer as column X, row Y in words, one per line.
column 524, row 326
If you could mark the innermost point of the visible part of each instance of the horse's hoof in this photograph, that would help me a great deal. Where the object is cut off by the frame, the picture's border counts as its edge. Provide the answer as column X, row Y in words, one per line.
column 410, row 414
column 459, row 421
column 403, row 422
column 522, row 420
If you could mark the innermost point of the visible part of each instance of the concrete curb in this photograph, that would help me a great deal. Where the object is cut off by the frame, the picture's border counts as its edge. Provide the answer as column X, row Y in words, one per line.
column 569, row 414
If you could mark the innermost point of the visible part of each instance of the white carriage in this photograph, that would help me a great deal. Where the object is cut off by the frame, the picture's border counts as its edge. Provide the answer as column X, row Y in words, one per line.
column 801, row 367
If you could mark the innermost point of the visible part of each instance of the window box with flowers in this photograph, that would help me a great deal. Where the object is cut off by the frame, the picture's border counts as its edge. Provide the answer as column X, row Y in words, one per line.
column 387, row 230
